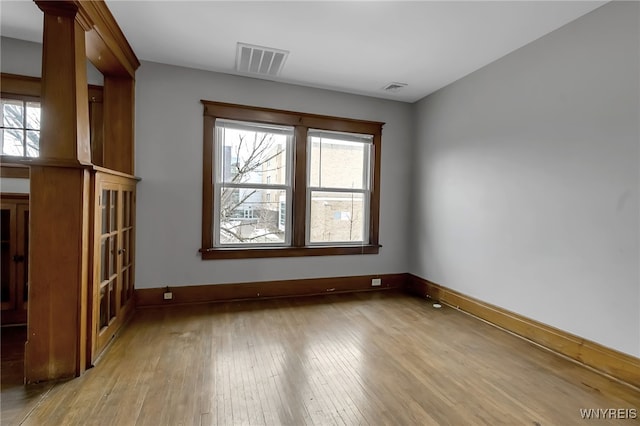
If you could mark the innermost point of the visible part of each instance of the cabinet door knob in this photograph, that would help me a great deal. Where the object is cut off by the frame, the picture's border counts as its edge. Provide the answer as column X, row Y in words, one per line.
column 18, row 258
column 120, row 251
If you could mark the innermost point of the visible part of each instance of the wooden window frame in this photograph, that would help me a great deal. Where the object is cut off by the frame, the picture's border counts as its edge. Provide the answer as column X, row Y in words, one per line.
column 301, row 123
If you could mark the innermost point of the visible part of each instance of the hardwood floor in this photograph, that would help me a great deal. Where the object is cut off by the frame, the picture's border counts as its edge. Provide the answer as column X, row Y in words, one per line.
column 369, row 358
column 15, row 398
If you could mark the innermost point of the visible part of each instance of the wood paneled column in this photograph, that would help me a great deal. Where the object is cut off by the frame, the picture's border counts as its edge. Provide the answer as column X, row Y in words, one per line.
column 60, row 204
column 118, row 114
column 61, row 217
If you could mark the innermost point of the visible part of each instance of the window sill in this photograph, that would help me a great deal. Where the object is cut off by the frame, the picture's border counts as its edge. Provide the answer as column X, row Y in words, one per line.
column 247, row 253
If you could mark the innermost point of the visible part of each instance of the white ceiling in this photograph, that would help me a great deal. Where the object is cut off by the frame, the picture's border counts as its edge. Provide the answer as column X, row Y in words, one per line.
column 350, row 46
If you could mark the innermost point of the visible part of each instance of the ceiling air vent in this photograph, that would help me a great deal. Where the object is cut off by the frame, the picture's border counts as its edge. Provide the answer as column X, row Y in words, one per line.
column 394, row 87
column 260, row 60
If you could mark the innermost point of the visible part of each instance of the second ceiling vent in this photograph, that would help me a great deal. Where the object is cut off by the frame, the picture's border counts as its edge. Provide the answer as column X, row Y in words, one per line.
column 260, row 60
column 394, row 87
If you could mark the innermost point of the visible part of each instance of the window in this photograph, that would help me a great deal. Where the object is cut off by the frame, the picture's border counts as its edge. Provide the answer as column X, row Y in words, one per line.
column 338, row 187
column 20, row 130
column 280, row 183
column 243, row 183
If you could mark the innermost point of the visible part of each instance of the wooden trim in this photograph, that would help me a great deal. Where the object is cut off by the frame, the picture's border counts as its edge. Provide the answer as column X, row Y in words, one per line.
column 107, row 47
column 15, row 171
column 6, row 196
column 19, row 85
column 208, row 160
column 291, row 118
column 118, row 114
column 23, row 85
column 246, row 253
column 43, row 162
column 96, row 93
column 110, row 35
column 148, row 297
column 115, row 173
column 374, row 205
column 299, row 187
column 96, row 123
column 603, row 359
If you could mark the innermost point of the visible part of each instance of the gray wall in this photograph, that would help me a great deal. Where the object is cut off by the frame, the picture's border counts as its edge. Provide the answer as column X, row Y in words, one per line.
column 527, row 179
column 169, row 160
column 14, row 185
column 20, row 57
column 25, row 58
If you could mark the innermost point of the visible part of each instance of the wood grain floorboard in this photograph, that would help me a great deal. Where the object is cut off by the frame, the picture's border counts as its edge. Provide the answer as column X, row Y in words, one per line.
column 360, row 359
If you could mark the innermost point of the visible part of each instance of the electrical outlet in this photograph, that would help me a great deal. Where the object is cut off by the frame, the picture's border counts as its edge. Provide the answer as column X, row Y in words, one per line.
column 168, row 295
column 375, row 282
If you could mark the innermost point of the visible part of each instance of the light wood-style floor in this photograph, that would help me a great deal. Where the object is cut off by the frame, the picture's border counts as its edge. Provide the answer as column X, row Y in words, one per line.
column 370, row 358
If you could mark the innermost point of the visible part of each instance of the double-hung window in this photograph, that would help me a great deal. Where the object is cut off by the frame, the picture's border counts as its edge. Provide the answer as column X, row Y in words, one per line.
column 20, row 130
column 280, row 183
column 338, row 194
column 252, row 176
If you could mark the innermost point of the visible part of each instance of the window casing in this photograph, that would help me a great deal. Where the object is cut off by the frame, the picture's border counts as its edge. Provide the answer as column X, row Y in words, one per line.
column 323, row 201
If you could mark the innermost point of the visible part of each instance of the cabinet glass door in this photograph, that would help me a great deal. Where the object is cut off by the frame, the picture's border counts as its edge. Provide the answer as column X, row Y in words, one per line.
column 108, row 257
column 7, row 239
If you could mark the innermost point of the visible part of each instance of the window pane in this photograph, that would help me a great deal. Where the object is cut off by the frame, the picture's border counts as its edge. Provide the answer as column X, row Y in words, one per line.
column 113, row 218
column 104, row 259
column 104, row 307
column 252, row 153
column 338, row 163
column 33, row 143
column 33, row 115
column 337, row 217
column 103, row 206
column 126, row 220
column 112, row 299
column 124, row 291
column 12, row 143
column 247, row 217
column 12, row 113
column 113, row 256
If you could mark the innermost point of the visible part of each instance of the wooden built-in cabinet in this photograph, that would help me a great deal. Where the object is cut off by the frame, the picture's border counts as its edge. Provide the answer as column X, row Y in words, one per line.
column 14, row 250
column 114, row 254
column 81, row 216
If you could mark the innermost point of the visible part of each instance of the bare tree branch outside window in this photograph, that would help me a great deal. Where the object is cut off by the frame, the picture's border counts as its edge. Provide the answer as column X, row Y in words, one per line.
column 246, row 215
